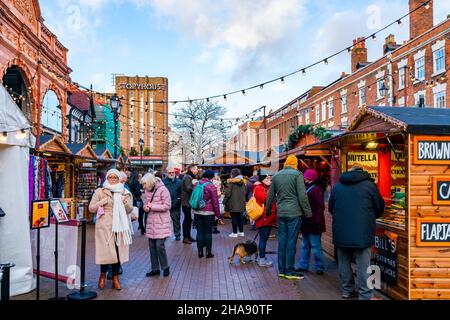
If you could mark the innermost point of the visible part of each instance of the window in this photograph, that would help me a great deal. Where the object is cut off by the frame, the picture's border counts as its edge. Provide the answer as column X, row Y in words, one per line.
column 362, row 96
column 380, row 93
column 344, row 103
column 51, row 116
column 401, row 78
column 420, row 69
column 344, row 123
column 330, row 109
column 317, row 114
column 401, row 102
column 439, row 60
column 419, row 97
column 439, row 100
column 324, row 111
column 307, row 116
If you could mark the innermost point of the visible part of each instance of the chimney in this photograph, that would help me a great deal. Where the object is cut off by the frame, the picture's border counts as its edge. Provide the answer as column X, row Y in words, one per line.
column 359, row 53
column 420, row 20
column 389, row 44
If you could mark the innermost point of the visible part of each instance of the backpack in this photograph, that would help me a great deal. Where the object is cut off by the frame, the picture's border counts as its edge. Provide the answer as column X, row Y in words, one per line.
column 254, row 210
column 196, row 202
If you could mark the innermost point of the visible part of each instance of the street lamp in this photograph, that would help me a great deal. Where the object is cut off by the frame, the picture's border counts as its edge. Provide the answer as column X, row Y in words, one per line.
column 141, row 146
column 116, row 106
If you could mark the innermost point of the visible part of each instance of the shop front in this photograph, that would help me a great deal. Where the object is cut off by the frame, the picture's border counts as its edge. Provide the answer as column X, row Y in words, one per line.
column 407, row 153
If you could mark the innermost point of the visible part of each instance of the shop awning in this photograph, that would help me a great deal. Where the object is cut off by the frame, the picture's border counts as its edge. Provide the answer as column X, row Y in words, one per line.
column 83, row 150
column 53, row 144
column 410, row 119
column 103, row 154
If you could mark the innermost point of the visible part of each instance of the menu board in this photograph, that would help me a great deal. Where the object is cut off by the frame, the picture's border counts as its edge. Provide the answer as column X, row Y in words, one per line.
column 368, row 160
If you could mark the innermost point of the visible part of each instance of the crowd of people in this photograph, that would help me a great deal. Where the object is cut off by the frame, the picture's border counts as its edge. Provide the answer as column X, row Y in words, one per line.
column 290, row 200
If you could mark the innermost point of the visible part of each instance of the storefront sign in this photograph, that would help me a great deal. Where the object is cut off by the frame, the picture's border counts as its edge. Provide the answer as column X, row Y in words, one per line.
column 433, row 232
column 40, row 214
column 142, row 86
column 369, row 161
column 441, row 190
column 431, row 150
column 384, row 255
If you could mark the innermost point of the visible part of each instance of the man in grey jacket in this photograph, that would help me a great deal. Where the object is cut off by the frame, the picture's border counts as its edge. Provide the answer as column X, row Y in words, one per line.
column 289, row 192
column 186, row 190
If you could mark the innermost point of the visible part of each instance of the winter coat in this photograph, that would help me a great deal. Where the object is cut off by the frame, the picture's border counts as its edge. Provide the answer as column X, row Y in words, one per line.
column 105, row 247
column 260, row 193
column 316, row 198
column 234, row 199
column 355, row 203
column 288, row 190
column 174, row 187
column 135, row 189
column 186, row 189
column 158, row 219
column 210, row 198
column 249, row 187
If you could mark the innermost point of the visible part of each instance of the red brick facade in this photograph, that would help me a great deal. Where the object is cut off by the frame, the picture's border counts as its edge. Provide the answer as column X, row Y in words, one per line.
column 399, row 69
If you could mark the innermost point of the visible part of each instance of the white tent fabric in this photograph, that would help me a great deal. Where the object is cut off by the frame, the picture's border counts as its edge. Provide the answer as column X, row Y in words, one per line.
column 15, row 244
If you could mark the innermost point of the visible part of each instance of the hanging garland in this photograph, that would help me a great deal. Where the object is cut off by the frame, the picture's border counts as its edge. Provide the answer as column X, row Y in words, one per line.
column 320, row 133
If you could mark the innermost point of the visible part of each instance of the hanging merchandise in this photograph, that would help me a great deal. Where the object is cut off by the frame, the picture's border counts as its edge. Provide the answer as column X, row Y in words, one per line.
column 40, row 181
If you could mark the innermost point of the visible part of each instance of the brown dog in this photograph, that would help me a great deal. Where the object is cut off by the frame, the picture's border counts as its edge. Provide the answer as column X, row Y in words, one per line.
column 244, row 249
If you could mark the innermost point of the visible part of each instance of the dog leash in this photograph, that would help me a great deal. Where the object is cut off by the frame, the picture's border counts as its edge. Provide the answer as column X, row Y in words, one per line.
column 256, row 236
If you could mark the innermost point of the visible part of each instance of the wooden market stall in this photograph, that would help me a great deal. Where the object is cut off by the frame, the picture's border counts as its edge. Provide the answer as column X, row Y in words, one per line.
column 407, row 153
column 105, row 161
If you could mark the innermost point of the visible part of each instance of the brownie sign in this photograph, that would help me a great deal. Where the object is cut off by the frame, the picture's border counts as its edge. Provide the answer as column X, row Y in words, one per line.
column 431, row 150
column 441, row 190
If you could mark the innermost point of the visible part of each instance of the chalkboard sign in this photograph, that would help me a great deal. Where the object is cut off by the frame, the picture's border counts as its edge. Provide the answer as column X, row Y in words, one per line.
column 441, row 190
column 384, row 255
column 431, row 150
column 433, row 232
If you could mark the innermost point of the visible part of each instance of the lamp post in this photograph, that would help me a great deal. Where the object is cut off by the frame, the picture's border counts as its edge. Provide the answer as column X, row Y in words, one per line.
column 141, row 146
column 383, row 90
column 116, row 106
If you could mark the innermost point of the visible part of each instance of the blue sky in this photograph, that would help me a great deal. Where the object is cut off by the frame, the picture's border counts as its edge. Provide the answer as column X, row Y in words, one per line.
column 207, row 47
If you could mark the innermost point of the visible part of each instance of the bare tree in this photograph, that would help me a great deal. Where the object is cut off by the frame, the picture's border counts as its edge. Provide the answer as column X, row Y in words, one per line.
column 200, row 124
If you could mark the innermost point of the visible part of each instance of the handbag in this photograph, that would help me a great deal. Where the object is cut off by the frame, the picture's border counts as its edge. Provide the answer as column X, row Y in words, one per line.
column 254, row 210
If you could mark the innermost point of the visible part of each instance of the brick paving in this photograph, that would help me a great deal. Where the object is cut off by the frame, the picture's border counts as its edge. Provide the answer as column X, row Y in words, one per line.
column 192, row 278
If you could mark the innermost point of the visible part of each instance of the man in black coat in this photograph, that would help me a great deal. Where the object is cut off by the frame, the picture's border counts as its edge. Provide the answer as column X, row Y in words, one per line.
column 186, row 190
column 355, row 204
column 173, row 184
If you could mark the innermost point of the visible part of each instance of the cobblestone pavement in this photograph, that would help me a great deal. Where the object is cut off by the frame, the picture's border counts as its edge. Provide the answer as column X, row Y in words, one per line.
column 201, row 279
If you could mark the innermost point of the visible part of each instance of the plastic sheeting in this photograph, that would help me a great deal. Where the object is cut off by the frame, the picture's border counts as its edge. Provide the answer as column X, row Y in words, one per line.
column 15, row 244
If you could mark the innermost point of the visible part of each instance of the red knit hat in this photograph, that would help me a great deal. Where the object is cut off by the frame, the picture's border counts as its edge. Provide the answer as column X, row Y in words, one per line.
column 311, row 174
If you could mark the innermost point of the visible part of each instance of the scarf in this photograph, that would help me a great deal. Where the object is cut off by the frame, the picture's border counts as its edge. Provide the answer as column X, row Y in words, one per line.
column 121, row 224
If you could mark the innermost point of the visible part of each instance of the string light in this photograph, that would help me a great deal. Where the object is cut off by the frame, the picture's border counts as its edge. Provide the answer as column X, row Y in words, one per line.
column 374, row 37
column 427, row 5
column 261, row 86
column 4, row 137
column 282, row 80
column 325, row 61
column 243, row 92
column 399, row 22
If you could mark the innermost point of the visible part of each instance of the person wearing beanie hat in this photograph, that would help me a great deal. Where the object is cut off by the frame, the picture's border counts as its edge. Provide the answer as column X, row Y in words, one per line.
column 205, row 218
column 289, row 193
column 312, row 228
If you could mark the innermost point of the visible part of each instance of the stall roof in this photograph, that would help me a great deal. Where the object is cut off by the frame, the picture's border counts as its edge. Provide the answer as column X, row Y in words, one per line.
column 82, row 149
column 410, row 119
column 103, row 154
column 53, row 143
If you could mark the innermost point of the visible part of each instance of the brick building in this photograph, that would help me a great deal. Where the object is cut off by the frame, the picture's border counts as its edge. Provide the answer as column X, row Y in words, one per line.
column 410, row 74
column 33, row 66
column 144, row 114
column 248, row 135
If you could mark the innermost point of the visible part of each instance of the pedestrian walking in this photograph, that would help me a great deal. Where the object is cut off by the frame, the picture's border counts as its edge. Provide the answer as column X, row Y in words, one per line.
column 113, row 231
column 355, row 204
column 157, row 203
column 234, row 201
column 265, row 223
column 312, row 228
column 173, row 184
column 205, row 217
column 186, row 191
column 288, row 190
column 136, row 191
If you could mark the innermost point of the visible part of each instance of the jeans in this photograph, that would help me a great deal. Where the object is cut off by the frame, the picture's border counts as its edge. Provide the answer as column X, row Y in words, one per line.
column 362, row 257
column 237, row 222
column 264, row 233
column 114, row 266
column 175, row 214
column 187, row 222
column 314, row 242
column 204, row 231
column 158, row 255
column 288, row 230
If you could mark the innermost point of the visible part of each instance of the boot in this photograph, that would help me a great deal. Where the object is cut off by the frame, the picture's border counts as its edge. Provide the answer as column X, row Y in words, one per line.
column 116, row 283
column 101, row 280
column 209, row 253
column 200, row 253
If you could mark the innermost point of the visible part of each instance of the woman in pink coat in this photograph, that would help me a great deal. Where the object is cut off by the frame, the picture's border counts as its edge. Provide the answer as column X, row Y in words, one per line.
column 157, row 204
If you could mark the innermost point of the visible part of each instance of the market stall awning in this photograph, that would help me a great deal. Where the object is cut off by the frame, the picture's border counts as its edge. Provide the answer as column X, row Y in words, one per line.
column 230, row 158
column 15, row 129
column 103, row 154
column 410, row 119
column 82, row 150
column 53, row 144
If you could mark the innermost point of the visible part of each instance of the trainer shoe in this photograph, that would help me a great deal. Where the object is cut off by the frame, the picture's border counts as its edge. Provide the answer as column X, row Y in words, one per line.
column 233, row 235
column 241, row 234
column 282, row 275
column 264, row 262
column 295, row 276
